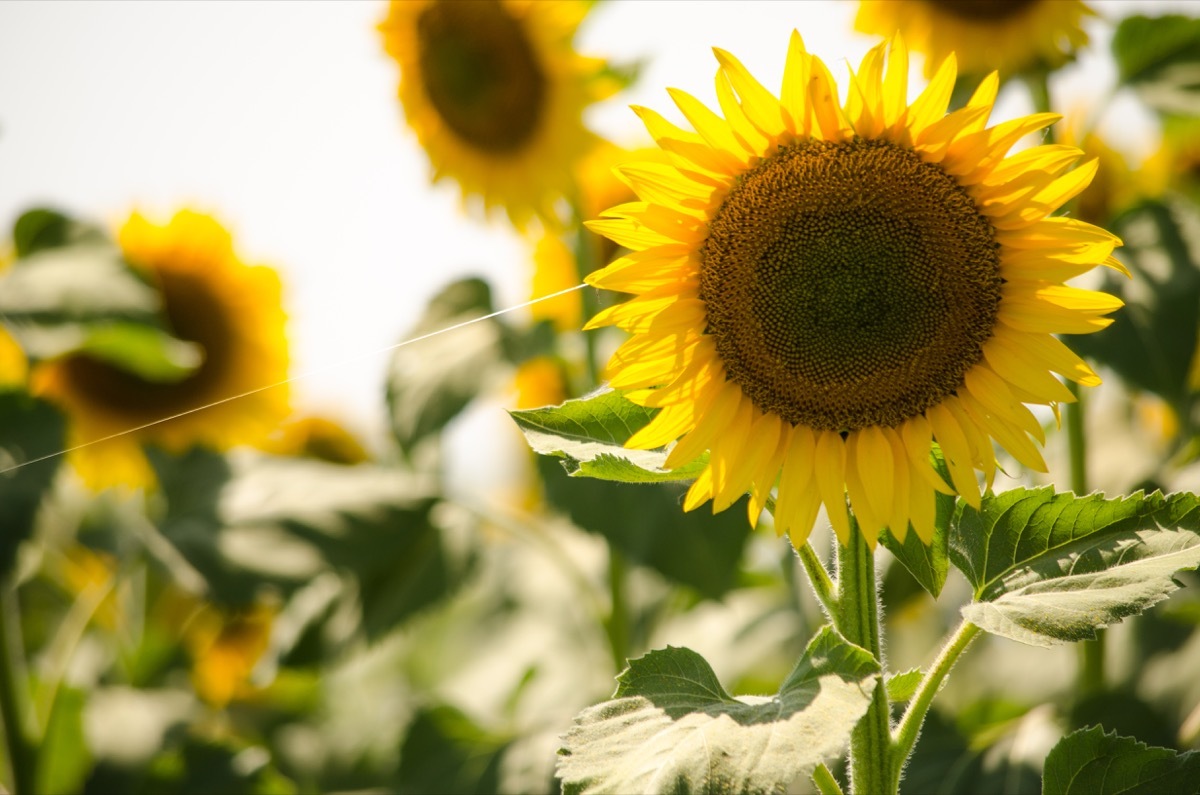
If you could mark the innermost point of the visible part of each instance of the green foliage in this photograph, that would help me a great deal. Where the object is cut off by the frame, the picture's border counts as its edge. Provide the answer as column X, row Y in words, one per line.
column 83, row 298
column 446, row 753
column 1049, row 568
column 671, row 727
column 1091, row 762
column 42, row 228
column 283, row 522
column 588, row 434
column 431, row 381
column 29, row 429
column 927, row 563
column 1152, row 340
column 902, row 686
column 1159, row 57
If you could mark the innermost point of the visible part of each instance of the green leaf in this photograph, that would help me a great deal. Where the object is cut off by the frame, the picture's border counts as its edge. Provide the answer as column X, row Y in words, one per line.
column 928, row 564
column 446, row 753
column 432, row 380
column 29, row 429
column 42, row 228
column 671, row 727
column 1049, row 568
column 83, row 298
column 64, row 743
column 1090, row 762
column 1152, row 340
column 1159, row 57
column 901, row 687
column 588, row 434
column 648, row 525
column 282, row 522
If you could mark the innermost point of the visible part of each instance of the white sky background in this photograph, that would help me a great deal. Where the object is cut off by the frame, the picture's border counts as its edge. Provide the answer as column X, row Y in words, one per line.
column 281, row 118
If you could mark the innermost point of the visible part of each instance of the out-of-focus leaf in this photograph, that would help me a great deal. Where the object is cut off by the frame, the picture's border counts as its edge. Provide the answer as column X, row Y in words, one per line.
column 1050, row 568
column 446, row 753
column 1159, row 57
column 1090, row 762
column 1152, row 340
column 671, row 727
column 42, row 228
column 83, row 298
column 588, row 435
column 432, row 380
column 993, row 749
column 1124, row 712
column 648, row 525
column 928, row 564
column 29, row 429
column 64, row 743
column 283, row 521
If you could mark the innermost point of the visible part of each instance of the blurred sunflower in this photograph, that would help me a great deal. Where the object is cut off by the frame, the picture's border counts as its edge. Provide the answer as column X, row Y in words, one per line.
column 1006, row 35
column 495, row 93
column 316, row 437
column 225, row 647
column 554, row 261
column 821, row 292
column 210, row 297
column 13, row 365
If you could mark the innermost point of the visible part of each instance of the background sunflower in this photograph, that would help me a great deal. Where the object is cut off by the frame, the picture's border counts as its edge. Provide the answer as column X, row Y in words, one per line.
column 232, row 310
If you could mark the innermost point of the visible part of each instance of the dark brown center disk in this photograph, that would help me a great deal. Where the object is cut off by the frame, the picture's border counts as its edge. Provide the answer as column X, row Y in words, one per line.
column 481, row 73
column 849, row 284
column 984, row 10
column 195, row 314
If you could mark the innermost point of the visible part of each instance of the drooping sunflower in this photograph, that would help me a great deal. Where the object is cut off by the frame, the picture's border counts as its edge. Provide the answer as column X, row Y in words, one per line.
column 823, row 291
column 1006, row 35
column 495, row 93
column 210, row 297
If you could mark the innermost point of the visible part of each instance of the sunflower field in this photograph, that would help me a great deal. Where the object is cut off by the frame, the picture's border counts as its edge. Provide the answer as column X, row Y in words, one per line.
column 599, row 396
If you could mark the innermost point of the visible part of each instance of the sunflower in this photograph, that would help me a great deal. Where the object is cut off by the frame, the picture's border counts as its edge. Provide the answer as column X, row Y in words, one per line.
column 321, row 438
column 13, row 365
column 823, row 291
column 495, row 94
column 210, row 297
column 1008, row 35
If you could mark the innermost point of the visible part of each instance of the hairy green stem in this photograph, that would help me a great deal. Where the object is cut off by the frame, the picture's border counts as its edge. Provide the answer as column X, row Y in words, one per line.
column 16, row 706
column 617, row 624
column 905, row 736
column 820, row 580
column 858, row 603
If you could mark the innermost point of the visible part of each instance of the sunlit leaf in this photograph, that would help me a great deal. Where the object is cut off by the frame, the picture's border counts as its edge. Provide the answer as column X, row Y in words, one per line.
column 901, row 687
column 1090, row 762
column 671, row 727
column 588, row 434
column 1049, row 568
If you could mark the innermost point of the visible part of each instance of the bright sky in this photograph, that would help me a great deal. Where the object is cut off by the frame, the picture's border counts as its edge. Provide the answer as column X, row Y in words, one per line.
column 281, row 119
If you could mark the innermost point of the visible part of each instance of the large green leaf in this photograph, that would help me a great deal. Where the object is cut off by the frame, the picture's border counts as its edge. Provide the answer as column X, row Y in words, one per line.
column 1159, row 57
column 1152, row 340
column 588, row 434
column 29, row 430
column 1090, row 762
column 430, row 381
column 42, row 228
column 928, row 564
column 83, row 298
column 671, row 727
column 1049, row 568
column 283, row 522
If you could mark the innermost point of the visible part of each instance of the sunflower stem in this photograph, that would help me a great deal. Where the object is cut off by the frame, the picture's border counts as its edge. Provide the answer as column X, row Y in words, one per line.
column 858, row 603
column 617, row 624
column 16, row 706
column 909, row 728
column 822, row 584
column 1091, row 652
